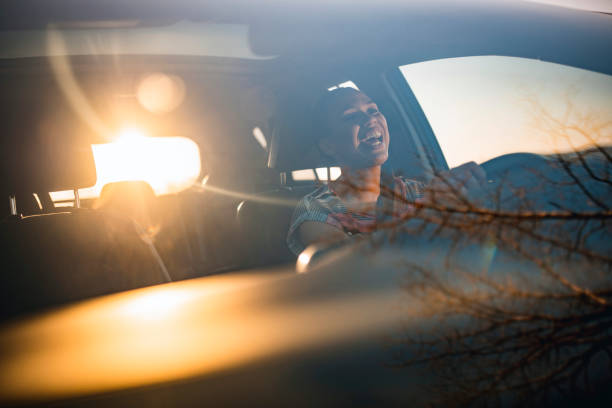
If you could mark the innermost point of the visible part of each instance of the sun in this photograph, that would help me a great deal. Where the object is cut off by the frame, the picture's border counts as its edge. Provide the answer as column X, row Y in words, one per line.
column 167, row 164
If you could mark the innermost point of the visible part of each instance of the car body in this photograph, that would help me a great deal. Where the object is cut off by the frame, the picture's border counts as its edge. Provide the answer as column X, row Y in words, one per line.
column 240, row 326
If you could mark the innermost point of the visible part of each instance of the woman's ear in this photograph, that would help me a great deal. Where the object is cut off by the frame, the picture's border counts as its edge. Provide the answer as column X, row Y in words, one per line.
column 326, row 147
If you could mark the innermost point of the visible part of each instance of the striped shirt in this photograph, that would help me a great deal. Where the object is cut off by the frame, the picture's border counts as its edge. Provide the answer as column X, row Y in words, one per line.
column 324, row 205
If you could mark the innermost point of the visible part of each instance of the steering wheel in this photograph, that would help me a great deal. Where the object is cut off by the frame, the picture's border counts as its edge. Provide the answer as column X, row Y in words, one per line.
column 507, row 165
column 520, row 179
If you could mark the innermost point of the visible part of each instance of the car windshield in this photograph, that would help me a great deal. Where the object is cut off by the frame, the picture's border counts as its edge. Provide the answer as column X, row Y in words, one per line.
column 193, row 188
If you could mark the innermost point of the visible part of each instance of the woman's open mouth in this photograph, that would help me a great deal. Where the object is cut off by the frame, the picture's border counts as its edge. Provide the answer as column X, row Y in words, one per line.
column 373, row 139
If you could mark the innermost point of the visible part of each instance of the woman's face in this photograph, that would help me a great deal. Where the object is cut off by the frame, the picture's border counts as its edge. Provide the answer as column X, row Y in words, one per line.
column 358, row 136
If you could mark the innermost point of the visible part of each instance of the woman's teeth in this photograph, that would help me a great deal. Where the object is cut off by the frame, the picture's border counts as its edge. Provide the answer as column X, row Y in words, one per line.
column 375, row 136
column 372, row 137
column 372, row 141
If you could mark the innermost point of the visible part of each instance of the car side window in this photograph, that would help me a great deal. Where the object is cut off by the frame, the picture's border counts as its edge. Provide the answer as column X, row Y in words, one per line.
column 486, row 106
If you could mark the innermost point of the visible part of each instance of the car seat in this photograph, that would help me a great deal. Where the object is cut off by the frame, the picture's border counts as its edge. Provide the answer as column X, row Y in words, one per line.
column 264, row 221
column 264, row 218
column 54, row 258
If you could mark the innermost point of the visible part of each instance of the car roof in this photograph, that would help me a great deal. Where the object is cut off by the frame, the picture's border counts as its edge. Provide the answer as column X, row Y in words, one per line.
column 420, row 30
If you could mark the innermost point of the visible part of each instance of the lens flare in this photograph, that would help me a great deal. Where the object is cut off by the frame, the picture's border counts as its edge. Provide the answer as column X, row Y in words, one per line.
column 160, row 93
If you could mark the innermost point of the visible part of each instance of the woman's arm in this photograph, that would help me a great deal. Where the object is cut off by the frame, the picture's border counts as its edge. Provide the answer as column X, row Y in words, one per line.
column 312, row 232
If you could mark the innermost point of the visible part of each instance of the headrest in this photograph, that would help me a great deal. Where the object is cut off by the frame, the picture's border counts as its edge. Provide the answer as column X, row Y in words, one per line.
column 295, row 156
column 294, row 148
column 29, row 166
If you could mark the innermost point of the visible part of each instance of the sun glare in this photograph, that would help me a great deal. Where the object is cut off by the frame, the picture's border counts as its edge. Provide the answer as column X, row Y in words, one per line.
column 155, row 305
column 167, row 164
column 130, row 136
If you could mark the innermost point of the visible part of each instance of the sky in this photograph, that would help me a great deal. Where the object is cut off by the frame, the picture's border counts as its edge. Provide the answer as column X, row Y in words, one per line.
column 597, row 5
column 483, row 107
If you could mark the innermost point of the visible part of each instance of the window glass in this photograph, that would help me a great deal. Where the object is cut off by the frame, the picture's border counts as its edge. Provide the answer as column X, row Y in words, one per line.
column 486, row 106
column 167, row 164
column 321, row 174
column 346, row 84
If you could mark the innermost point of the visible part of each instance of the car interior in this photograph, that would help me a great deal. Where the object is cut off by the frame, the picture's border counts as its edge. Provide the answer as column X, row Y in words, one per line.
column 242, row 78
column 237, row 213
column 235, row 216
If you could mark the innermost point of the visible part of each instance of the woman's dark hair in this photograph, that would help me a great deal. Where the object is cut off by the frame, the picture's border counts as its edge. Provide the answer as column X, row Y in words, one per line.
column 321, row 108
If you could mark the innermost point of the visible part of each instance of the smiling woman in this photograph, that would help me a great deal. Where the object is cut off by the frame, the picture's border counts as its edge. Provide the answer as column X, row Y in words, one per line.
column 167, row 164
